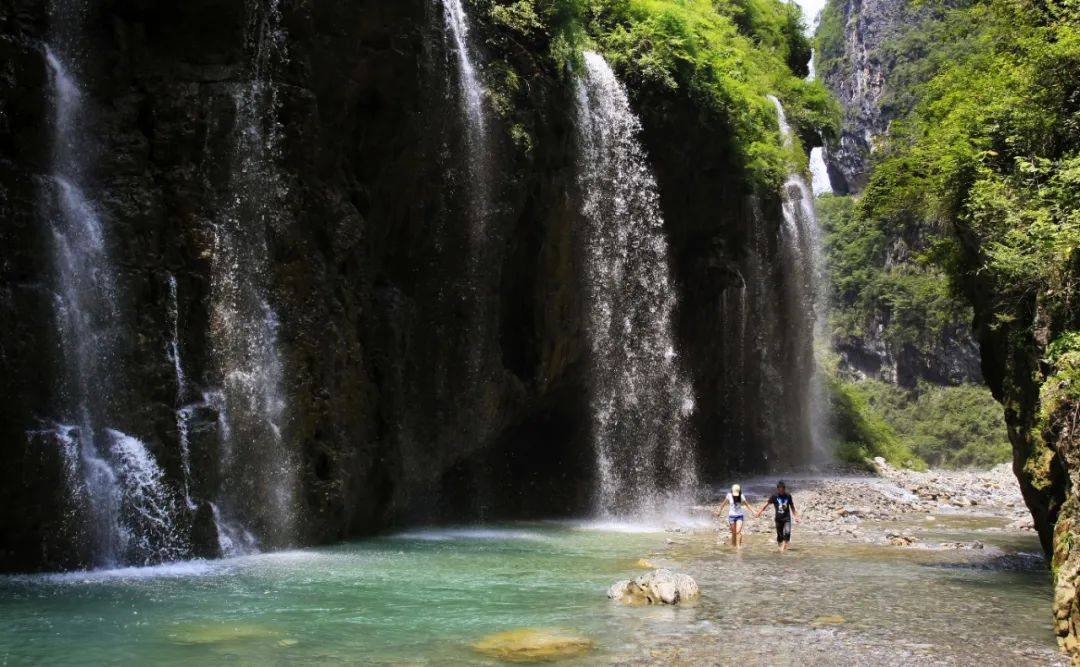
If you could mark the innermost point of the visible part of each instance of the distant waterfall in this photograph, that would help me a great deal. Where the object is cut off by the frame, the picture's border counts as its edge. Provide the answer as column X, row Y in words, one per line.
column 471, row 99
column 640, row 401
column 124, row 511
column 801, row 243
column 819, row 173
column 258, row 472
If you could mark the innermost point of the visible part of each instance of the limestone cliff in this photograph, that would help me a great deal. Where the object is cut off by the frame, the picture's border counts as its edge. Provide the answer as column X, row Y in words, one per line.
column 937, row 168
column 872, row 54
column 424, row 377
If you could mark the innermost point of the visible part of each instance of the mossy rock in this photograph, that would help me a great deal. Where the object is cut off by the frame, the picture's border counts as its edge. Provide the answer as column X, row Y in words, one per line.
column 533, row 645
column 220, row 633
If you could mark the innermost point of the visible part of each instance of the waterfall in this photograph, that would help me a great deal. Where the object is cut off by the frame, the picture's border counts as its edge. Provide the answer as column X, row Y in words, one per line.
column 471, row 99
column 233, row 539
column 86, row 303
column 819, row 172
column 472, row 93
column 183, row 412
column 640, row 402
column 124, row 510
column 173, row 348
column 473, row 166
column 258, row 475
column 151, row 533
column 801, row 241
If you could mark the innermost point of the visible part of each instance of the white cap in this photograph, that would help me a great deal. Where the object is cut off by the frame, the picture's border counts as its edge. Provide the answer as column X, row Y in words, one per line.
column 735, row 489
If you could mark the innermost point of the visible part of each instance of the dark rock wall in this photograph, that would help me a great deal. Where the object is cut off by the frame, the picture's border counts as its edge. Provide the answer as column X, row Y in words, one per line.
column 427, row 377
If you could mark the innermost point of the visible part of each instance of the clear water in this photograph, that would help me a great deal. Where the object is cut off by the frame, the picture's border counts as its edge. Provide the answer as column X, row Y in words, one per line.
column 424, row 596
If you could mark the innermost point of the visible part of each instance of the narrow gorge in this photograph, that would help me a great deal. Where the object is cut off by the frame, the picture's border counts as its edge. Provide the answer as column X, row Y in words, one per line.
column 319, row 294
column 285, row 278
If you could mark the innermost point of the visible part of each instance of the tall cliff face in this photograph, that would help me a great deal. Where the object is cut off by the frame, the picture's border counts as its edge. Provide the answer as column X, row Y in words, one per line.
column 850, row 58
column 1005, row 108
column 391, row 417
column 423, row 376
column 872, row 54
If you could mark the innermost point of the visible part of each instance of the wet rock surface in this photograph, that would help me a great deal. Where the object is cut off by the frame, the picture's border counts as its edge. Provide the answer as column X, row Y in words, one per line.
column 426, row 379
column 533, row 645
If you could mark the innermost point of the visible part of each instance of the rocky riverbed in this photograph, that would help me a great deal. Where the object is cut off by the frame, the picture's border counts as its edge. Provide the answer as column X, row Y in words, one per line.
column 862, row 507
column 897, row 568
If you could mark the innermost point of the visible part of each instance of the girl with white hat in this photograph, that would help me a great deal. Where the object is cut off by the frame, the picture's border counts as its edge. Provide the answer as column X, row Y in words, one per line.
column 735, row 502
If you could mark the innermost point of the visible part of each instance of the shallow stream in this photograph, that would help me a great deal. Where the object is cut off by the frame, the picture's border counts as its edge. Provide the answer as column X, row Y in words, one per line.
column 423, row 597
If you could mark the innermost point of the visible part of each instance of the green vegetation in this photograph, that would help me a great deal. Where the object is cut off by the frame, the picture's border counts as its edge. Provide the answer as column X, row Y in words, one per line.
column 727, row 55
column 1062, row 387
column 829, row 41
column 724, row 56
column 992, row 151
column 950, row 427
column 886, row 276
column 944, row 426
column 861, row 432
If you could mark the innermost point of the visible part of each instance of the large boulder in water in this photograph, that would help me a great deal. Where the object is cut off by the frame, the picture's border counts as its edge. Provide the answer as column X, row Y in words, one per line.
column 656, row 587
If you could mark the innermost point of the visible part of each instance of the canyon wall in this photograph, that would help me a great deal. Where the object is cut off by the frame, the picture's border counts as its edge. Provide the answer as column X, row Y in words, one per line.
column 421, row 373
column 872, row 54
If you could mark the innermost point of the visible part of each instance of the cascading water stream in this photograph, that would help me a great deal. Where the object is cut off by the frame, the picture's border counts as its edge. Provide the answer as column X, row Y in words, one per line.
column 124, row 509
column 183, row 412
column 86, row 301
column 819, row 173
column 801, row 240
column 258, row 472
column 474, row 168
column 640, row 401
column 472, row 93
column 471, row 99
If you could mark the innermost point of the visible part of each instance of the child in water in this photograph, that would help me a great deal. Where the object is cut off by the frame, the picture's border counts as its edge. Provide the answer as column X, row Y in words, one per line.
column 735, row 515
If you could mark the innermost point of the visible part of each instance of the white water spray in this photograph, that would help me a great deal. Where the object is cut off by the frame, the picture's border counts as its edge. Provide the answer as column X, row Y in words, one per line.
column 258, row 470
column 120, row 501
column 640, row 401
column 802, row 243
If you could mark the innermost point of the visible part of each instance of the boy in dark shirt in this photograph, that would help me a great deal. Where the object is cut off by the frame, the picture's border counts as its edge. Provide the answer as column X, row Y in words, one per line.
column 784, row 505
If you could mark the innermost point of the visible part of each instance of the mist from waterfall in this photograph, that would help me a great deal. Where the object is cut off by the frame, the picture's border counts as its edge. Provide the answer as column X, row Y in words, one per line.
column 640, row 402
column 802, row 244
column 122, row 509
column 257, row 470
